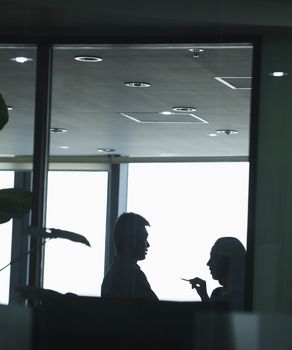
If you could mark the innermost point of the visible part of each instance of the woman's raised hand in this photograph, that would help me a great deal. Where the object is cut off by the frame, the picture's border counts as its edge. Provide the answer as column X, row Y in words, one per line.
column 200, row 286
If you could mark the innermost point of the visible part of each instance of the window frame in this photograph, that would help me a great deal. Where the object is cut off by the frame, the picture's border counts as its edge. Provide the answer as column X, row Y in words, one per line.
column 42, row 125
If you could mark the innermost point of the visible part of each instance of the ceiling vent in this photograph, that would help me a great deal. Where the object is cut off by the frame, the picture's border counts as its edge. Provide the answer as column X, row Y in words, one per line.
column 236, row 83
column 172, row 118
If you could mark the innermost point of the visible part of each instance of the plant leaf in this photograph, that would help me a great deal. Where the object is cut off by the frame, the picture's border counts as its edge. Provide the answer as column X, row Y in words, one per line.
column 3, row 113
column 14, row 203
column 56, row 233
column 72, row 236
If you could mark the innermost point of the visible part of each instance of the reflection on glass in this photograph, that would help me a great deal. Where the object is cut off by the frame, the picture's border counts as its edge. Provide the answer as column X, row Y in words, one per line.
column 189, row 206
column 6, row 181
column 77, row 203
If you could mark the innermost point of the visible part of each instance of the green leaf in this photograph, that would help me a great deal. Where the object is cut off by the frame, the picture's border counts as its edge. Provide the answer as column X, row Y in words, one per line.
column 56, row 233
column 3, row 113
column 14, row 203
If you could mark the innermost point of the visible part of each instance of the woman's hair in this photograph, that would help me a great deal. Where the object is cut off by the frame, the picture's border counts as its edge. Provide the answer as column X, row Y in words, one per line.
column 127, row 227
column 233, row 249
column 230, row 247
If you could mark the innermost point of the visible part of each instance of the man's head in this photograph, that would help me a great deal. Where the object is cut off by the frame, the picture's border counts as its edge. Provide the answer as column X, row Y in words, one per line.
column 130, row 236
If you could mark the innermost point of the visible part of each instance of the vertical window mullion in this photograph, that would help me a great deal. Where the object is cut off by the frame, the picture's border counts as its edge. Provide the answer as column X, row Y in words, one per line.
column 116, row 205
column 40, row 158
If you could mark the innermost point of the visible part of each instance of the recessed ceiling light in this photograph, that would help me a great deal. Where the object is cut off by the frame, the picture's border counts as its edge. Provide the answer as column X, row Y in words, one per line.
column 278, row 74
column 184, row 109
column 212, row 135
column 227, row 131
column 137, row 84
column 10, row 108
column 88, row 59
column 58, row 130
column 196, row 52
column 21, row 59
column 105, row 150
column 165, row 113
column 64, row 147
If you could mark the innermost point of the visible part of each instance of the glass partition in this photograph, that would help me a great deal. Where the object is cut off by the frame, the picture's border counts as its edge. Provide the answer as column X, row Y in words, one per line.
column 143, row 103
column 17, row 88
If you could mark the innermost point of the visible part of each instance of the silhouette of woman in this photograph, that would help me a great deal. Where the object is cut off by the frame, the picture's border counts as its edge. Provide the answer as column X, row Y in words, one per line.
column 227, row 265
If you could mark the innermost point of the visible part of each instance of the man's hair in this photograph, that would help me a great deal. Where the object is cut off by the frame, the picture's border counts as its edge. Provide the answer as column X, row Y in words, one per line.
column 127, row 227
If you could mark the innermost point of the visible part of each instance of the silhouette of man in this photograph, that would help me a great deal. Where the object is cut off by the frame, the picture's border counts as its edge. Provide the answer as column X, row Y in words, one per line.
column 125, row 279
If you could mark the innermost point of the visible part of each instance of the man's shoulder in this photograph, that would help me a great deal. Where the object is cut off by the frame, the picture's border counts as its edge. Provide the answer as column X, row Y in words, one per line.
column 117, row 279
column 126, row 279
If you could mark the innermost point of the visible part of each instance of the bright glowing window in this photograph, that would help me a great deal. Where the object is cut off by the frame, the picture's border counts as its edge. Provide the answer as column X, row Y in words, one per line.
column 189, row 206
column 76, row 202
column 6, row 181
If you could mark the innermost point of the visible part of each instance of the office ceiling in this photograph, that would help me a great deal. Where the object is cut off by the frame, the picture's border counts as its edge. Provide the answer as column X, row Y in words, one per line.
column 89, row 99
column 92, row 102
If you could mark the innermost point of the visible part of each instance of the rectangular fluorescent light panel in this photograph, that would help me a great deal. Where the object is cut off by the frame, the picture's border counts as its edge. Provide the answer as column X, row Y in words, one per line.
column 236, row 83
column 173, row 118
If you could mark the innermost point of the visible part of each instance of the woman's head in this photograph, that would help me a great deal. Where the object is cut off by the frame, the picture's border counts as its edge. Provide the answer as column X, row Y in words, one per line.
column 227, row 259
